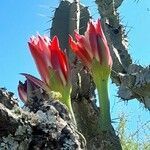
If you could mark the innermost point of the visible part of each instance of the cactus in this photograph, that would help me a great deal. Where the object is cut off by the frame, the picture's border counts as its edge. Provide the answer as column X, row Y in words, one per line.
column 76, row 16
column 45, row 123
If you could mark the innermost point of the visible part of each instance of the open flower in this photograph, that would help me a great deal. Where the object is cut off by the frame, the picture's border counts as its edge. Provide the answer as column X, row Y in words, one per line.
column 92, row 45
column 51, row 62
column 47, row 54
column 92, row 49
column 53, row 67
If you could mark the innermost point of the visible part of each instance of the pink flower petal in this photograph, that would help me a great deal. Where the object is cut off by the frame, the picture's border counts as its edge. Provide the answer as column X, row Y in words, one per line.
column 41, row 61
column 80, row 52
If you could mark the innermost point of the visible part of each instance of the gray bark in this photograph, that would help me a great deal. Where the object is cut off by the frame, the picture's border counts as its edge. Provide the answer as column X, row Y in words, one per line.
column 44, row 125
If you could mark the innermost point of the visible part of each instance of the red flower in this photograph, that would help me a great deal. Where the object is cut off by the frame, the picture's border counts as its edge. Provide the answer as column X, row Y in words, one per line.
column 93, row 50
column 48, row 56
column 92, row 45
column 53, row 66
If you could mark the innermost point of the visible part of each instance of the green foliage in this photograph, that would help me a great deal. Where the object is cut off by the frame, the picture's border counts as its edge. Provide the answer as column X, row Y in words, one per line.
column 133, row 141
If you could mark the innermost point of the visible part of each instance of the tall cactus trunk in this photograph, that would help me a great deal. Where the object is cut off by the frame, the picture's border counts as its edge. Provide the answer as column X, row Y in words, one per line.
column 70, row 16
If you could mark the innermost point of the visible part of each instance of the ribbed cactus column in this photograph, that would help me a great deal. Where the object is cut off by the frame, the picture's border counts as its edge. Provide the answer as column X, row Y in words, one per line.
column 67, row 18
column 70, row 16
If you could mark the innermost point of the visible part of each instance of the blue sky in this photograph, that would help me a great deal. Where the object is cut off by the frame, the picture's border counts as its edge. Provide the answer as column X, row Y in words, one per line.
column 20, row 19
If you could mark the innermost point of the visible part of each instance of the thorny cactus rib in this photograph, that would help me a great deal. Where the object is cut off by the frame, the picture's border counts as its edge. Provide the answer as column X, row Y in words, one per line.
column 122, row 62
column 69, row 12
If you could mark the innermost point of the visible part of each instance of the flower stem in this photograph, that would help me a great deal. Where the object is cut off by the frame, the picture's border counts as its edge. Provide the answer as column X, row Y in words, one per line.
column 105, row 119
column 69, row 105
column 67, row 101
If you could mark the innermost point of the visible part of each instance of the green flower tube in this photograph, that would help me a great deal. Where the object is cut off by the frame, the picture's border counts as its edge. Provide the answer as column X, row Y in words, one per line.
column 101, row 76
